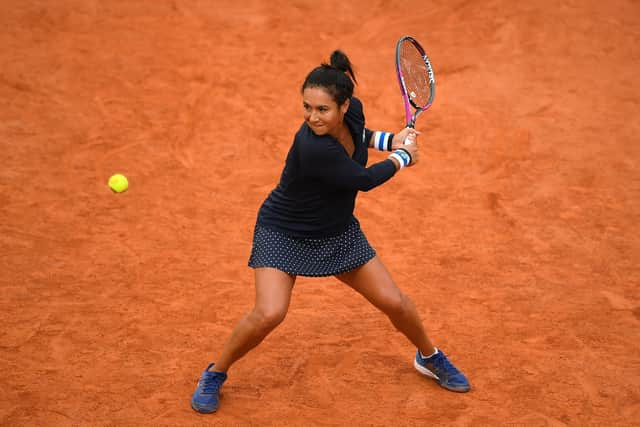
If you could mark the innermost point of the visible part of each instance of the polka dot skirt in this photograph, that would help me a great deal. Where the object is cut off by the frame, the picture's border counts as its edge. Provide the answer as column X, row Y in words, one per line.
column 311, row 257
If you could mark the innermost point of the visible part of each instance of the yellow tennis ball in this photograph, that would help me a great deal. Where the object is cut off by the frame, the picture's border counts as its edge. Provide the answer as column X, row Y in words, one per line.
column 118, row 183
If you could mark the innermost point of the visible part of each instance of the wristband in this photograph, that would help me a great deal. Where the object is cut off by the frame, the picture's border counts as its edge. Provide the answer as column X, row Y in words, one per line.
column 402, row 156
column 382, row 140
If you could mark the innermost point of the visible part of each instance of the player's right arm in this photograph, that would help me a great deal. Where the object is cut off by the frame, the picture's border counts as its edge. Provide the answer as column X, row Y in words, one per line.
column 324, row 159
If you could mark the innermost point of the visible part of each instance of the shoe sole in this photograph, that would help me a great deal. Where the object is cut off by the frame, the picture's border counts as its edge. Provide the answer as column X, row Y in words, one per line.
column 200, row 411
column 427, row 373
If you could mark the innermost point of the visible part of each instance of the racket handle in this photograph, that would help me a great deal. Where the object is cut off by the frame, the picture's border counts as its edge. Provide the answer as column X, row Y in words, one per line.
column 407, row 141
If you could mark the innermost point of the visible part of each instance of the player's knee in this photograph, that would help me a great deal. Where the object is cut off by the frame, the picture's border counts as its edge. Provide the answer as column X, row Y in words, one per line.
column 266, row 319
column 395, row 305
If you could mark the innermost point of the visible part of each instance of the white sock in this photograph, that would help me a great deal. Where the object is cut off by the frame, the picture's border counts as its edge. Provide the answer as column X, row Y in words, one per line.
column 426, row 357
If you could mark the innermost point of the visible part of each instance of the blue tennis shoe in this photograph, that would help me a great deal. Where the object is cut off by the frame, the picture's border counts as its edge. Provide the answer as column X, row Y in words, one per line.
column 439, row 368
column 205, row 398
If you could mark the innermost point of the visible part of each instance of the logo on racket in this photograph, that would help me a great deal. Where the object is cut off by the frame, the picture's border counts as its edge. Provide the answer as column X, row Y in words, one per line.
column 432, row 78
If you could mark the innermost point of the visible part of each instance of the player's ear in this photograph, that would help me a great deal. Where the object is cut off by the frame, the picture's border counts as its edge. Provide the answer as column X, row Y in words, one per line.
column 345, row 106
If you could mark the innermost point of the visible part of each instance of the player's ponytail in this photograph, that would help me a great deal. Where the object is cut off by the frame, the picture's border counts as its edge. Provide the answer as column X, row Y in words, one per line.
column 340, row 61
column 337, row 77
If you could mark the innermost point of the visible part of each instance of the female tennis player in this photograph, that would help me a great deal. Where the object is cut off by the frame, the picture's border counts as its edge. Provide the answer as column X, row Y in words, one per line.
column 306, row 227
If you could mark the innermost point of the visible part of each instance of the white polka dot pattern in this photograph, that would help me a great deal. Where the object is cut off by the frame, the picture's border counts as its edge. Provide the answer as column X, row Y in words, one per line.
column 311, row 257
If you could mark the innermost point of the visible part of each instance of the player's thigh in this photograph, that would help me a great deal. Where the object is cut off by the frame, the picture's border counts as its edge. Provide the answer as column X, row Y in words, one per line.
column 273, row 291
column 374, row 282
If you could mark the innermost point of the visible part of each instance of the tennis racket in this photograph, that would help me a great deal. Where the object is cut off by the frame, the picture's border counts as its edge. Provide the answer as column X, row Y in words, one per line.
column 415, row 74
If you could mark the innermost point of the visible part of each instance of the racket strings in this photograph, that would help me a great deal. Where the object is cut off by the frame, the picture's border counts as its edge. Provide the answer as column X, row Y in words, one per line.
column 415, row 75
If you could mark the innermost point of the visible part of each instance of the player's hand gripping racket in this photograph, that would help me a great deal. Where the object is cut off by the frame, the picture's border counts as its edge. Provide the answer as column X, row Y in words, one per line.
column 415, row 75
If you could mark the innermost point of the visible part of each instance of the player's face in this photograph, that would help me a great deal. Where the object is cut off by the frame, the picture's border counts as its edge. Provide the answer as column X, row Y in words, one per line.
column 323, row 115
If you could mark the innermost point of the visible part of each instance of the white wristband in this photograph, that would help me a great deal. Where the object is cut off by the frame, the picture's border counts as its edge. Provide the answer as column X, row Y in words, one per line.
column 402, row 157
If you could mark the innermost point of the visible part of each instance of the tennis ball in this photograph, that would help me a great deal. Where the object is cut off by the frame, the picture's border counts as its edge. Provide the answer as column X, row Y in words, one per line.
column 118, row 183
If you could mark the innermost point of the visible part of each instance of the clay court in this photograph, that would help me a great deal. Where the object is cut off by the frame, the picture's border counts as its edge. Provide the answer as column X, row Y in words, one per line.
column 517, row 235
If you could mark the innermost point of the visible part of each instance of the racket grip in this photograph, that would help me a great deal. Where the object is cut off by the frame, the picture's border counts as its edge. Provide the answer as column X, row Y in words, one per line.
column 408, row 140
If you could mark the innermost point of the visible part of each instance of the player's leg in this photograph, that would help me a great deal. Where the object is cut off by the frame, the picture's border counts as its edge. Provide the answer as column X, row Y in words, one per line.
column 374, row 282
column 273, row 294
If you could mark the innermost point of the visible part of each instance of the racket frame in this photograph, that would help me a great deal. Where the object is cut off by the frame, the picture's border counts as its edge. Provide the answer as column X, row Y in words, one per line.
column 408, row 102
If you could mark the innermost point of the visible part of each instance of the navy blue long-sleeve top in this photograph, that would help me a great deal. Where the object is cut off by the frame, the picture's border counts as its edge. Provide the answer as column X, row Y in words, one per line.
column 316, row 195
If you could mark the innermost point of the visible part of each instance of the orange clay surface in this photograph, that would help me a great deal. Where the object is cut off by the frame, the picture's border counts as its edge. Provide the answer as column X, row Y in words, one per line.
column 516, row 235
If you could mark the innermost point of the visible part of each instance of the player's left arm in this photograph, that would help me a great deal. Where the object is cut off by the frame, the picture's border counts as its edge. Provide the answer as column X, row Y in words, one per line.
column 386, row 141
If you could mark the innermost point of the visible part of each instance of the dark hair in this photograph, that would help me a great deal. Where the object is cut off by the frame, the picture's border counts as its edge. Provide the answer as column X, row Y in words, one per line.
column 337, row 77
